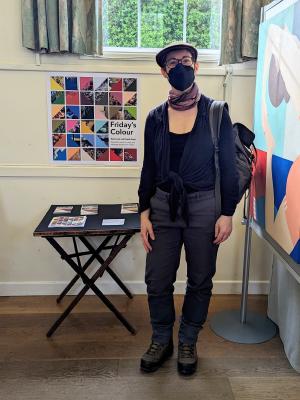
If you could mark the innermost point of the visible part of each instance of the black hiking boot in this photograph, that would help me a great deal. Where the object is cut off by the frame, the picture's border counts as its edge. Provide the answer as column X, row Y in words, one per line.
column 155, row 355
column 187, row 358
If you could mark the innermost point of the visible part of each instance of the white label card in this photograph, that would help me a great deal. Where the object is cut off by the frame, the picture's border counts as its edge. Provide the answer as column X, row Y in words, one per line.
column 113, row 221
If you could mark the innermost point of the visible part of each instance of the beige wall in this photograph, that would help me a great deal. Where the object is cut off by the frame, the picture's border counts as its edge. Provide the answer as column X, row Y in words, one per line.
column 29, row 183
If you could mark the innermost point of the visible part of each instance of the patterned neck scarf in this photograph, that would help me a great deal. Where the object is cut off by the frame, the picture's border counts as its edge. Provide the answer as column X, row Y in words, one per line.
column 184, row 100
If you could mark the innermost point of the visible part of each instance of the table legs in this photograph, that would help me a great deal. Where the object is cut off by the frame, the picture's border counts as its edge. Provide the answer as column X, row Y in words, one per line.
column 89, row 283
column 86, row 265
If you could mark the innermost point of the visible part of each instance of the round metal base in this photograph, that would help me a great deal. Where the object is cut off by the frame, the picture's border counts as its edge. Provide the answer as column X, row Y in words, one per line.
column 257, row 329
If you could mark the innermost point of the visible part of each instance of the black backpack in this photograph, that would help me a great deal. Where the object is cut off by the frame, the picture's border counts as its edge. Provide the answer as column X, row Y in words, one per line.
column 245, row 151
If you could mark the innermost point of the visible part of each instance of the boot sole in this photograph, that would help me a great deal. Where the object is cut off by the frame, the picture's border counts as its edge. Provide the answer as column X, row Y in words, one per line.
column 186, row 369
column 147, row 367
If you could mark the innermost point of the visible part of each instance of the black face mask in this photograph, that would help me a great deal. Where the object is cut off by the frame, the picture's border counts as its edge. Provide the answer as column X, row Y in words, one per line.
column 181, row 76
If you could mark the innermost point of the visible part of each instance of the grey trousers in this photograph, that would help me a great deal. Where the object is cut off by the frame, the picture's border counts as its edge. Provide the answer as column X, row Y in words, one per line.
column 163, row 260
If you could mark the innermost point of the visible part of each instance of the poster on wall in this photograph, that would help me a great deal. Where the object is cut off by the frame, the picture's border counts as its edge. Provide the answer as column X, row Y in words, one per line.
column 275, row 201
column 93, row 118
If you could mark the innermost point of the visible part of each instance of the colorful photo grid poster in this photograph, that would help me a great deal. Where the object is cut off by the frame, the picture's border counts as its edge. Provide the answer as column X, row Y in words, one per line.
column 93, row 118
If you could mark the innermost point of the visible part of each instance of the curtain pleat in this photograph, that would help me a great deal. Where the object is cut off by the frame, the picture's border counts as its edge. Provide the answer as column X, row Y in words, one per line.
column 240, row 24
column 65, row 25
column 51, row 27
column 58, row 26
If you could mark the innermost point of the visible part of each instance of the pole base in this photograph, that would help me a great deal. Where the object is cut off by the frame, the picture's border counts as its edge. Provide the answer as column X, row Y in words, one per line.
column 257, row 329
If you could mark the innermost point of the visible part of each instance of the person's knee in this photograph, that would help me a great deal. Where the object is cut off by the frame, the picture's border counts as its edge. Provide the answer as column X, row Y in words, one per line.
column 203, row 285
column 159, row 287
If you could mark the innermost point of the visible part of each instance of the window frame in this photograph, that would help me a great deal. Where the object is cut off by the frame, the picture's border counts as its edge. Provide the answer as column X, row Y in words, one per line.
column 148, row 54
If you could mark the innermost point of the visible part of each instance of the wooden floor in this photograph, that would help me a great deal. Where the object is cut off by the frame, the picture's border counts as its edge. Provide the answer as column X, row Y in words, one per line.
column 92, row 356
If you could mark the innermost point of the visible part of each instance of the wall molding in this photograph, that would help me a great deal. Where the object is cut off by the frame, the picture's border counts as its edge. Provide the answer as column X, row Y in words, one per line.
column 133, row 66
column 109, row 287
column 68, row 171
column 94, row 65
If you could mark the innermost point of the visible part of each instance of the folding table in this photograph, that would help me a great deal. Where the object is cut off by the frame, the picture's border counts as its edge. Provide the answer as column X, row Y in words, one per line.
column 115, row 238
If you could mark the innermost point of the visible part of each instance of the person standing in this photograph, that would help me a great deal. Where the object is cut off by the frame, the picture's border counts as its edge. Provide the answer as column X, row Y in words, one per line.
column 177, row 206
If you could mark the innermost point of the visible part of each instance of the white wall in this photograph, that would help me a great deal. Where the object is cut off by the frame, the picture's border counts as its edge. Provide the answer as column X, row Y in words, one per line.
column 29, row 183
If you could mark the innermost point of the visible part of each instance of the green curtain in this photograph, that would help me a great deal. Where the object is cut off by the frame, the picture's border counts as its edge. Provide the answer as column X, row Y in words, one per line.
column 240, row 23
column 59, row 26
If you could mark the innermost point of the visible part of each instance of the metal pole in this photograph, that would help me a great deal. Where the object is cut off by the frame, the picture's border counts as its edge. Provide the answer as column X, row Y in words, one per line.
column 246, row 263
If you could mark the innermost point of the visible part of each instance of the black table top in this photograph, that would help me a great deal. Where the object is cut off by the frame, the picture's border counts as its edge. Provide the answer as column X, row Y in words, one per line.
column 93, row 224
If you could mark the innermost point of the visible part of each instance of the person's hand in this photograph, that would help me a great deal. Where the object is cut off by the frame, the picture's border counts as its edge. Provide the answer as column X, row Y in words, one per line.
column 223, row 228
column 146, row 230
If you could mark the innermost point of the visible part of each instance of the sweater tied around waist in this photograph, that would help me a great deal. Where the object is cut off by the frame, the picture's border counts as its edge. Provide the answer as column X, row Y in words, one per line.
column 178, row 196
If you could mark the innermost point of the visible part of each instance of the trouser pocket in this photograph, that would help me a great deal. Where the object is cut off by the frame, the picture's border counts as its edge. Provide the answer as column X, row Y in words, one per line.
column 202, row 211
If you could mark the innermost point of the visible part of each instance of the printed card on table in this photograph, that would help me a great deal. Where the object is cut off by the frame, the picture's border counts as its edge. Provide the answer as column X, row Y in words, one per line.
column 89, row 209
column 67, row 222
column 63, row 210
column 113, row 221
column 129, row 208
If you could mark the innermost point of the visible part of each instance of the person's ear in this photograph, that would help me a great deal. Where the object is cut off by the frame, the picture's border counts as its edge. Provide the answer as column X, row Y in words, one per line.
column 163, row 72
column 196, row 66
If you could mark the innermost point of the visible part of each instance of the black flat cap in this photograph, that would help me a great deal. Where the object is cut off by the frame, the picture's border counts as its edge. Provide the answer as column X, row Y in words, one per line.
column 162, row 54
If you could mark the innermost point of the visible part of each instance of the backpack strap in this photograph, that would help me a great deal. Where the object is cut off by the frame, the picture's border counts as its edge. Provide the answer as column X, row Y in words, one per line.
column 215, row 117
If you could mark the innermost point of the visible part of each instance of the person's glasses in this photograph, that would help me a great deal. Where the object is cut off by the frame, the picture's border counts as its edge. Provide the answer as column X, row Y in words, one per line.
column 186, row 60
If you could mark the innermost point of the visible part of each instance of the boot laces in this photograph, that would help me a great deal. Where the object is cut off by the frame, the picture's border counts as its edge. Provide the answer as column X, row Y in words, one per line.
column 187, row 350
column 154, row 347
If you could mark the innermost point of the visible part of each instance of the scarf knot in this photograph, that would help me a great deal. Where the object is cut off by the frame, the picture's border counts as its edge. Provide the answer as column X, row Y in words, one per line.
column 184, row 100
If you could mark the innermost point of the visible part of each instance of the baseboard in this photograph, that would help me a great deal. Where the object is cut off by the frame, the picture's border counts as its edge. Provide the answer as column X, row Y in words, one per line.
column 110, row 287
